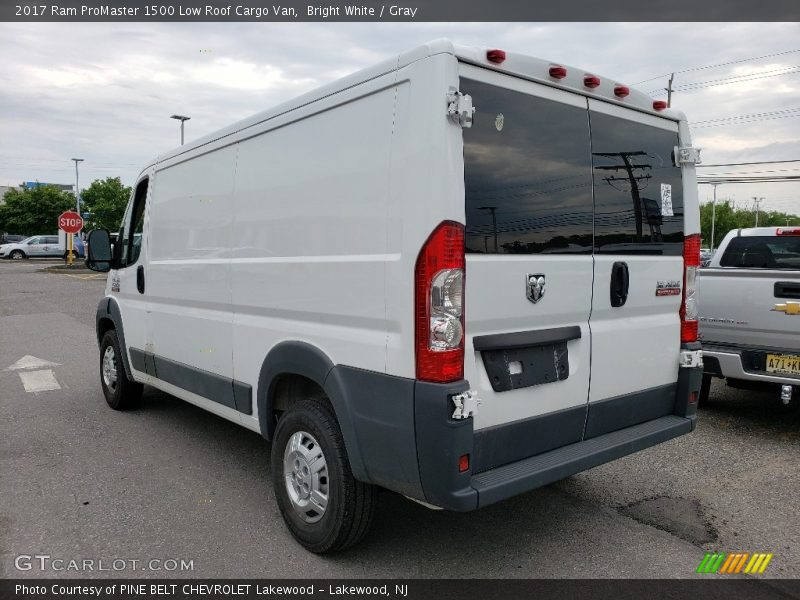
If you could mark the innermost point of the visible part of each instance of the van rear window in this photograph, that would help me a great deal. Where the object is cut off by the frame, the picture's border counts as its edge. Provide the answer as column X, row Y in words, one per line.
column 527, row 174
column 762, row 252
column 638, row 192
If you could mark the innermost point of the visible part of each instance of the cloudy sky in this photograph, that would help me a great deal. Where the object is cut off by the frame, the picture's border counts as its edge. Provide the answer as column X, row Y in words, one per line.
column 105, row 91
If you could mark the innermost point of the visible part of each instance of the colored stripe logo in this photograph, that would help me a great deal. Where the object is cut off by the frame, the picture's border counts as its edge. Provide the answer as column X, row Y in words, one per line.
column 734, row 562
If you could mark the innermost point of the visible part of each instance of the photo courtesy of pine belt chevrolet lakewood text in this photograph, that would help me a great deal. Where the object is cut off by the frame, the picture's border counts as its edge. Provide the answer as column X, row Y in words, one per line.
column 458, row 275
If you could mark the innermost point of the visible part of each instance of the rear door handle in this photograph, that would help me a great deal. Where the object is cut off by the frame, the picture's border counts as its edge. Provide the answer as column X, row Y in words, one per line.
column 140, row 279
column 619, row 284
column 787, row 289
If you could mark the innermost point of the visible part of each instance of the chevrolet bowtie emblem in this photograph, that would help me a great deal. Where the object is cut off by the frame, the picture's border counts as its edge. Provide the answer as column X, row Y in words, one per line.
column 790, row 308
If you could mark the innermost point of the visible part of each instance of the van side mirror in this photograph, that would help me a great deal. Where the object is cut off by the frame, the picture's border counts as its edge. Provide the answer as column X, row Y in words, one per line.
column 98, row 258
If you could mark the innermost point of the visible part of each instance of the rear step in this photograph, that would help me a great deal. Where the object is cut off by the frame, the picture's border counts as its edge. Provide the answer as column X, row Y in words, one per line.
column 539, row 470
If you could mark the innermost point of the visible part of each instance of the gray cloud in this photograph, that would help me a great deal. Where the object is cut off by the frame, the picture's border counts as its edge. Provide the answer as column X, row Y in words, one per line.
column 104, row 91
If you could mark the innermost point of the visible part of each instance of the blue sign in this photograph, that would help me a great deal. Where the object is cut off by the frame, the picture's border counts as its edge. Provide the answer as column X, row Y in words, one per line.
column 29, row 185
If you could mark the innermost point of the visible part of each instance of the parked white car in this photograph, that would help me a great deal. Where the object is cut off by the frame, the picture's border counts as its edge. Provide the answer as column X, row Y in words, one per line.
column 408, row 278
column 40, row 246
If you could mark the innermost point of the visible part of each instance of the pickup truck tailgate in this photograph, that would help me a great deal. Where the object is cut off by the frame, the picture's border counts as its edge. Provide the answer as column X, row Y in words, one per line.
column 748, row 307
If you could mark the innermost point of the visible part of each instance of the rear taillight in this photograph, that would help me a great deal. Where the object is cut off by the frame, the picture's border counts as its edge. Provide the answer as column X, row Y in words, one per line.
column 787, row 231
column 691, row 261
column 439, row 305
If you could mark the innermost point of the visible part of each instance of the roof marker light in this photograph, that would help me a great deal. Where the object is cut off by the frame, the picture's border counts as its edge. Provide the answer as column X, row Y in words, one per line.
column 659, row 104
column 558, row 72
column 591, row 81
column 495, row 56
column 621, row 91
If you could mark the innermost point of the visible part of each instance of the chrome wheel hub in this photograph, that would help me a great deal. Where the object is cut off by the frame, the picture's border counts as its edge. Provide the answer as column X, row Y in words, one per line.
column 305, row 473
column 109, row 368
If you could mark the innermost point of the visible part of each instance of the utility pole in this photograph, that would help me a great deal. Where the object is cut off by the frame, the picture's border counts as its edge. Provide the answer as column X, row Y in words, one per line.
column 669, row 90
column 633, row 180
column 713, row 214
column 493, row 210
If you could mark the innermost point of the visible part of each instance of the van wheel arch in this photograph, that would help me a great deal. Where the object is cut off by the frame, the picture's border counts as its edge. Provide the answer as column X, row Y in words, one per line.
column 292, row 370
column 108, row 317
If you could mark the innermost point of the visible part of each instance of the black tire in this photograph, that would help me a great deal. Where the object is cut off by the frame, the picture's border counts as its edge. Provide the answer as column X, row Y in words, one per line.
column 121, row 393
column 350, row 503
column 17, row 255
column 705, row 388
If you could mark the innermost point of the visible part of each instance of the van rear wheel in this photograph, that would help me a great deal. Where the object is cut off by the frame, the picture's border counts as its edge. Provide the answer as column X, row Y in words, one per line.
column 121, row 393
column 323, row 505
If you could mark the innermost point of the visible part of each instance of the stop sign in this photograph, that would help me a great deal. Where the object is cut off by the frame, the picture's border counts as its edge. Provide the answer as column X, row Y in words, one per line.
column 70, row 222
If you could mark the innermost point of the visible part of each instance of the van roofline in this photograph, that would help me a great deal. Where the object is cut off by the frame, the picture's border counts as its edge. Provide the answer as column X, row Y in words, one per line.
column 519, row 65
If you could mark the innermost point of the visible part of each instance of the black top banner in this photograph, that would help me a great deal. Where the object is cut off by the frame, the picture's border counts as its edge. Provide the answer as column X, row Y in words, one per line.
column 288, row 11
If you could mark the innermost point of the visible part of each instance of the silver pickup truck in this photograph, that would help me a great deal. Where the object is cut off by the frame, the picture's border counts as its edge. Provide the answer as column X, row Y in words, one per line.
column 749, row 303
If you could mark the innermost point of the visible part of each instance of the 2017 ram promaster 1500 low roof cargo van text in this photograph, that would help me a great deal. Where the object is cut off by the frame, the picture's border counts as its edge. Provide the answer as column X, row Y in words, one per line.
column 460, row 275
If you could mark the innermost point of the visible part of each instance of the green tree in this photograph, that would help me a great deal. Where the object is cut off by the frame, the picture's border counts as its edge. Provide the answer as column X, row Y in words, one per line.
column 105, row 200
column 728, row 218
column 34, row 211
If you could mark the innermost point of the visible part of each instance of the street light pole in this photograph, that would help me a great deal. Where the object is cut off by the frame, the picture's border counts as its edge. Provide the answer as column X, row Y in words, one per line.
column 713, row 215
column 182, row 119
column 77, row 188
column 757, row 202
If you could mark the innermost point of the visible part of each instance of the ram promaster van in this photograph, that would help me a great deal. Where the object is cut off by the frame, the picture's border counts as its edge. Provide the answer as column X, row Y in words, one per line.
column 458, row 275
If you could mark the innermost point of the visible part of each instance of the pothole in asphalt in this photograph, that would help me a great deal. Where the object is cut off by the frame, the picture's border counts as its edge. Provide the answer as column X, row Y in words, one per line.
column 682, row 517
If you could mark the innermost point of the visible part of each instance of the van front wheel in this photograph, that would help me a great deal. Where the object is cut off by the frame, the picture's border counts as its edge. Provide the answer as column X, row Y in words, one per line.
column 324, row 507
column 121, row 393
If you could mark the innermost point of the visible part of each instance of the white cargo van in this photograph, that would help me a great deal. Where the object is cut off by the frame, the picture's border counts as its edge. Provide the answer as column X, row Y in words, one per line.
column 459, row 275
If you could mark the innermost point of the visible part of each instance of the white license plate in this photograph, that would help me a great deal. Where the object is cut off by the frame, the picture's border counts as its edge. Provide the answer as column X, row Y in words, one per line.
column 785, row 364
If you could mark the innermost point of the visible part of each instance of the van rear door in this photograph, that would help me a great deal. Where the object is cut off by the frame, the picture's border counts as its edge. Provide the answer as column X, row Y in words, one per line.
column 638, row 268
column 528, row 194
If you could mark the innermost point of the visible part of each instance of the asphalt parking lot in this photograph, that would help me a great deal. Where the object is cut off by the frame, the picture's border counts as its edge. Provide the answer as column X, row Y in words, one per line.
column 169, row 482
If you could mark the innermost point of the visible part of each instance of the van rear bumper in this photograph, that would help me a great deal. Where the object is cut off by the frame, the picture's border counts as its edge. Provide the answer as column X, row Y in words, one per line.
column 400, row 435
column 441, row 441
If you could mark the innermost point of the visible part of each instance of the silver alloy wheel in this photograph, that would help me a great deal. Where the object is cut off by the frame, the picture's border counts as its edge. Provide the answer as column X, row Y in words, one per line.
column 17, row 255
column 305, row 473
column 110, row 368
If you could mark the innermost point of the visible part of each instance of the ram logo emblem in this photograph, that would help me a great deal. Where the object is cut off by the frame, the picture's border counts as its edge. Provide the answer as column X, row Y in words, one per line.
column 534, row 286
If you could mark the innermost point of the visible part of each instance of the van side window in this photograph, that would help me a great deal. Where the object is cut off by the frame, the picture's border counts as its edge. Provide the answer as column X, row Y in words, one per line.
column 638, row 192
column 130, row 236
column 527, row 174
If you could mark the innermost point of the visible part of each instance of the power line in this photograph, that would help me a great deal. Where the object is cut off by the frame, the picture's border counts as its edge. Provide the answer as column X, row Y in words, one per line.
column 725, row 64
column 767, row 113
column 751, row 172
column 690, row 87
column 745, row 121
column 742, row 164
